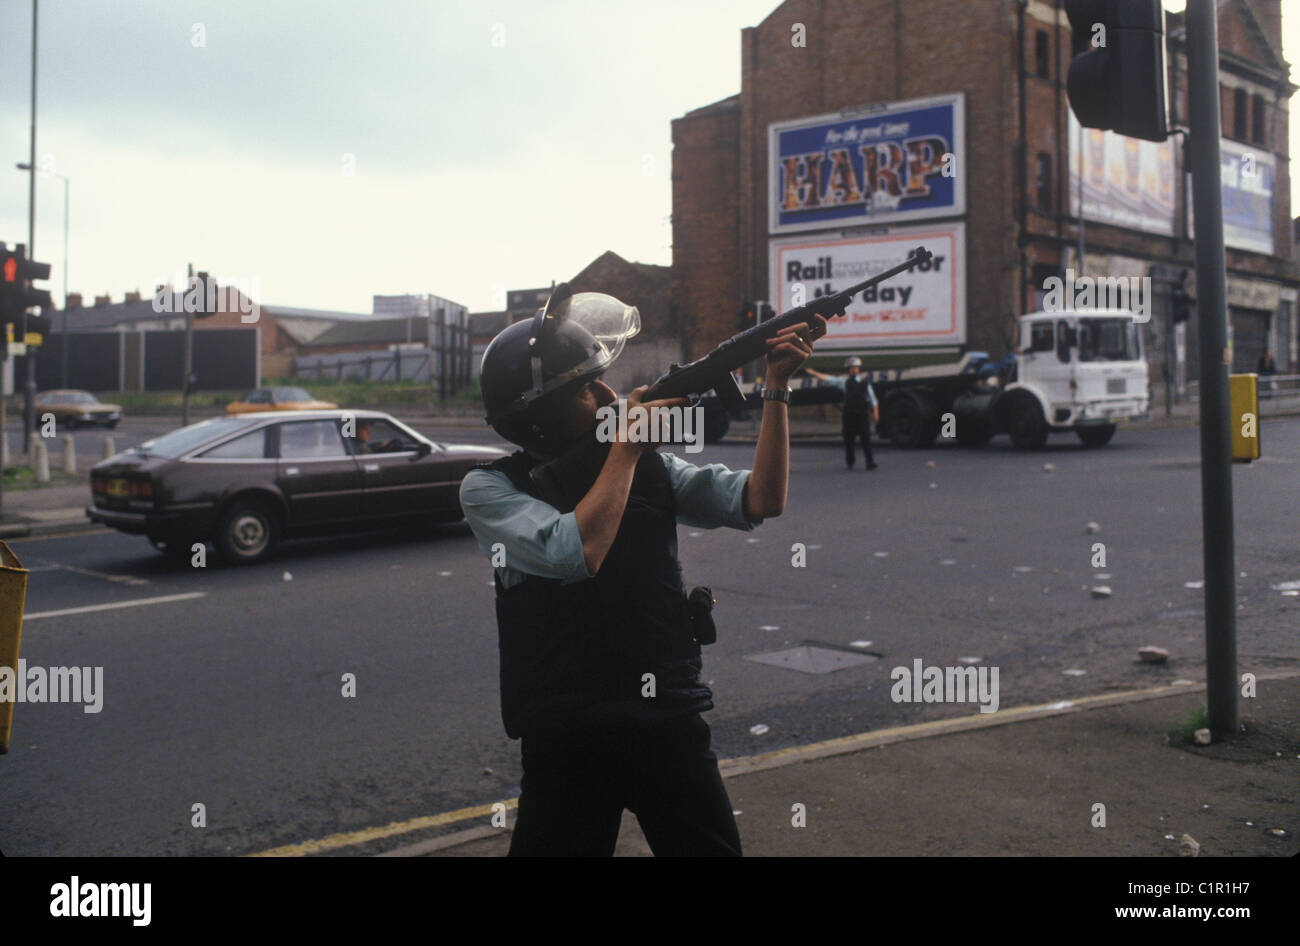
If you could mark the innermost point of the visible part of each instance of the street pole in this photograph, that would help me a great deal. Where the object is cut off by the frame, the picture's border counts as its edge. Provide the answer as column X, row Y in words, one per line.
column 189, row 352
column 1079, row 261
column 29, row 385
column 1211, row 306
column 63, row 375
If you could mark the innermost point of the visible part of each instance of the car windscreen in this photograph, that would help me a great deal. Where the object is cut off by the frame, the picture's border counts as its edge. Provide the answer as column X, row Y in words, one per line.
column 187, row 438
column 291, row 394
column 1108, row 340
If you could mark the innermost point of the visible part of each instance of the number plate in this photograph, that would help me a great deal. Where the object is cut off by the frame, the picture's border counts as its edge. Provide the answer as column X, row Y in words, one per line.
column 118, row 488
column 1115, row 386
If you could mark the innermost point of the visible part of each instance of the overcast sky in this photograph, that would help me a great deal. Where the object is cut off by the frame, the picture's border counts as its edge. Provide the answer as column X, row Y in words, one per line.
column 325, row 150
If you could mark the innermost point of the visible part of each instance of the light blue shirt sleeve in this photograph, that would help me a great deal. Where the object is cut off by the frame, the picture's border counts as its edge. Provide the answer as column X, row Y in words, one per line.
column 708, row 496
column 536, row 538
column 839, row 380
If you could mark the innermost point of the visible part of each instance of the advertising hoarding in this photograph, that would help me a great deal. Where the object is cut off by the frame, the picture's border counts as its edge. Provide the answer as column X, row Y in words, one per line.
column 884, row 164
column 1127, row 182
column 924, row 307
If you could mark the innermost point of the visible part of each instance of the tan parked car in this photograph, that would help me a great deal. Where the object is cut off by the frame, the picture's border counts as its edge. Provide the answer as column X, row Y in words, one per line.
column 73, row 408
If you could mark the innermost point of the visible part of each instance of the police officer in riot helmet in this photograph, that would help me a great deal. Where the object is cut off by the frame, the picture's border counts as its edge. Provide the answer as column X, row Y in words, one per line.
column 599, row 643
column 861, row 409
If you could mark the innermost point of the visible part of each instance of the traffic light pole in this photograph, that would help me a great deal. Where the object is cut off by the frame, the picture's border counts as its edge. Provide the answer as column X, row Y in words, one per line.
column 29, row 385
column 1211, row 304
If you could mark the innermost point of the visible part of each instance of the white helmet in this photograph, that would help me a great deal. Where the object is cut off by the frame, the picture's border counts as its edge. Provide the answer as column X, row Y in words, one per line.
column 854, row 362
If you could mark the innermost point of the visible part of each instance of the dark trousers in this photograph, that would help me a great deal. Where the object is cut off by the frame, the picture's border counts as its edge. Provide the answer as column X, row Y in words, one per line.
column 857, row 427
column 574, row 791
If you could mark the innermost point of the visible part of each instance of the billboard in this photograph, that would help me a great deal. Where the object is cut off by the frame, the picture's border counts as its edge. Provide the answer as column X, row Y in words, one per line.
column 883, row 163
column 923, row 307
column 1127, row 182
column 1247, row 175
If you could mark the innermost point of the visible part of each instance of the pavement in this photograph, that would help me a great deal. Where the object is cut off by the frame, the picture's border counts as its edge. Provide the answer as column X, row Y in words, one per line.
column 1107, row 775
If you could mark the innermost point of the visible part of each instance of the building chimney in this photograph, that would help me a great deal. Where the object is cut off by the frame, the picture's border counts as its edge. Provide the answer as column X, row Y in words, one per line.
column 102, row 301
column 74, row 301
column 132, row 296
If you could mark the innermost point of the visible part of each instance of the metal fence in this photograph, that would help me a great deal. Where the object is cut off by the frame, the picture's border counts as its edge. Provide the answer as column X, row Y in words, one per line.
column 1276, row 392
column 446, row 365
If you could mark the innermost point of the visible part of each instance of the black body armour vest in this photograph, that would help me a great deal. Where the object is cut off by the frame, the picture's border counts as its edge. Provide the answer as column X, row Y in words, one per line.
column 855, row 396
column 574, row 656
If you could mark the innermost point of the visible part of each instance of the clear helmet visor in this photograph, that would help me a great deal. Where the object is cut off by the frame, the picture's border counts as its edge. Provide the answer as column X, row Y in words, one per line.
column 610, row 320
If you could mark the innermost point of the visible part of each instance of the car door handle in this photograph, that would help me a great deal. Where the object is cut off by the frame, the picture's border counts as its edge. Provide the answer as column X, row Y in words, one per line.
column 372, row 467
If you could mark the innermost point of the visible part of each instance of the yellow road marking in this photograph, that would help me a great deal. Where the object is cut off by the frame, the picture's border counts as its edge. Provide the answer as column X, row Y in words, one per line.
column 348, row 839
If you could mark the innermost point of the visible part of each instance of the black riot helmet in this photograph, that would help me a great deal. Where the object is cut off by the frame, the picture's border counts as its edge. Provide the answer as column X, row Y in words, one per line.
column 533, row 365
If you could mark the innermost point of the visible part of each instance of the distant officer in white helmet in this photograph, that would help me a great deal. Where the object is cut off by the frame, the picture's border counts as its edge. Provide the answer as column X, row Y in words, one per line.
column 861, row 409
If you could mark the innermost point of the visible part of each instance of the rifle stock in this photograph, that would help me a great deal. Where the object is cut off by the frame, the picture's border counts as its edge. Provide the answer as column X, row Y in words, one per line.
column 563, row 481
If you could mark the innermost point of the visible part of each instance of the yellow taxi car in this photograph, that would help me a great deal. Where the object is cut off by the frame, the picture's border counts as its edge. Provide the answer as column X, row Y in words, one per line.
column 278, row 399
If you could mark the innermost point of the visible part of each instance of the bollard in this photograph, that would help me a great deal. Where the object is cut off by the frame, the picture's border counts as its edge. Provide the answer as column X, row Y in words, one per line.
column 41, row 462
column 109, row 450
column 33, row 439
column 69, row 454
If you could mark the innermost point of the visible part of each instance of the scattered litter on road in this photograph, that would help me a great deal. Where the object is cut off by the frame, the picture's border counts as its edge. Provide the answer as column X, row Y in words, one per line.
column 1153, row 655
column 934, row 486
column 1183, row 683
column 736, row 811
column 930, row 464
column 1101, row 591
column 488, row 772
column 1101, row 576
column 769, row 627
column 970, row 660
column 1277, row 832
column 859, row 643
column 1202, row 737
column 444, row 574
column 695, row 535
column 881, row 554
column 757, row 730
column 1188, row 846
column 1170, row 837
column 286, row 577
column 1287, row 586
column 947, row 561
column 1022, row 568
column 752, row 541
column 1194, row 584
column 1049, row 467
column 1290, row 594
column 1092, row 528
column 1074, row 672
column 1063, row 704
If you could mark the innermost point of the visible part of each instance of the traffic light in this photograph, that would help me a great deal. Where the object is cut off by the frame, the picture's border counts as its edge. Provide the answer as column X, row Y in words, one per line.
column 748, row 315
column 1117, row 74
column 17, row 272
column 1182, row 304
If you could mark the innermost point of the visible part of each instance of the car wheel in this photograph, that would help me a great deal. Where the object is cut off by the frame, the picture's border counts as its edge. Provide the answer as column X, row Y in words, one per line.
column 247, row 532
column 1026, row 424
column 1097, row 436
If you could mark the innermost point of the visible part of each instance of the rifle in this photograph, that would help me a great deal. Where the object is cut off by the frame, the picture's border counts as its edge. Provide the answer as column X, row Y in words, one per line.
column 563, row 481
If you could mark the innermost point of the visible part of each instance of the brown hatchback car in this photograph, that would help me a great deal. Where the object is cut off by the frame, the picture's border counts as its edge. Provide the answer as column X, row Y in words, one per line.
column 244, row 482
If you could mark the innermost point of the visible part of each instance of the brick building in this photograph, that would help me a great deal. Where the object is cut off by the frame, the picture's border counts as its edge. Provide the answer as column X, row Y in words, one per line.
column 997, row 70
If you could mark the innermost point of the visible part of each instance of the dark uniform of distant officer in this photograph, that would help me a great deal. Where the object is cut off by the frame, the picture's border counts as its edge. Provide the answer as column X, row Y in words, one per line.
column 860, row 410
column 590, row 603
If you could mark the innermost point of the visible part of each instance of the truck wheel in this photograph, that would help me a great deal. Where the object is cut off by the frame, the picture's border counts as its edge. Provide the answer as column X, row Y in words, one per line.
column 1026, row 424
column 1097, row 436
column 247, row 532
column 716, row 420
column 911, row 422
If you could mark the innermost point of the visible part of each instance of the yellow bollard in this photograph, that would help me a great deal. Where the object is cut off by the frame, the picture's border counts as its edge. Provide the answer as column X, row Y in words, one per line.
column 1243, row 415
column 13, row 594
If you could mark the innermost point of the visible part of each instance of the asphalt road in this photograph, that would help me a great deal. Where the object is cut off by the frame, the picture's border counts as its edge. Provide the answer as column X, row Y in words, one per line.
column 231, row 698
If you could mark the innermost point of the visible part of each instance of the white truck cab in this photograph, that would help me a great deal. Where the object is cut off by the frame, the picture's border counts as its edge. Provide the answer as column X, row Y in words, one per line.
column 1084, row 369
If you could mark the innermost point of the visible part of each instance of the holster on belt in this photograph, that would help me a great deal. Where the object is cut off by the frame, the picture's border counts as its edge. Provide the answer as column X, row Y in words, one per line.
column 699, row 615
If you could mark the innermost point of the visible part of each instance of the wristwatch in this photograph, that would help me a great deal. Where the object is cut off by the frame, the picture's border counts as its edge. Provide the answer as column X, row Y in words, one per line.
column 777, row 394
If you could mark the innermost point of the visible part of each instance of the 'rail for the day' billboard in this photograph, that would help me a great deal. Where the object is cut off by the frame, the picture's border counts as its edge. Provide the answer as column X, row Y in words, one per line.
column 886, row 164
column 923, row 307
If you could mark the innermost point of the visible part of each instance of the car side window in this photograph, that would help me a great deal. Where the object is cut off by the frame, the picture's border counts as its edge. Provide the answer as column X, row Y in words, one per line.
column 379, row 436
column 1062, row 342
column 259, row 397
column 311, row 440
column 248, row 447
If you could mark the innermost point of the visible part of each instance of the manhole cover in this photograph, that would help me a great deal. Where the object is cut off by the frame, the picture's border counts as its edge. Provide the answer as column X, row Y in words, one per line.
column 814, row 658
